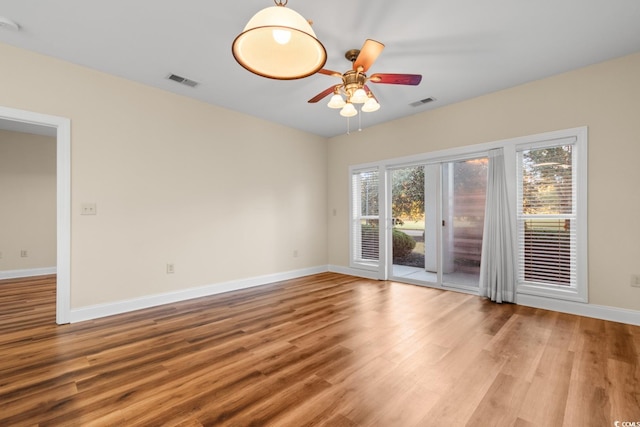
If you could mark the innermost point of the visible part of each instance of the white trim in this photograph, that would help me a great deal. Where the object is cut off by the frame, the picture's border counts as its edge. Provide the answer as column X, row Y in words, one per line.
column 63, row 179
column 118, row 307
column 63, row 291
column 354, row 263
column 29, row 272
column 350, row 271
column 603, row 312
column 579, row 138
column 464, row 152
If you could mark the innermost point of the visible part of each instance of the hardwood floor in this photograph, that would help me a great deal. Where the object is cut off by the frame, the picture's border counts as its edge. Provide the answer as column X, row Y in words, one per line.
column 328, row 350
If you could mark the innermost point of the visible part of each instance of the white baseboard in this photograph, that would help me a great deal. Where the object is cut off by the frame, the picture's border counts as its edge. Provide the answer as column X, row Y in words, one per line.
column 603, row 312
column 109, row 309
column 29, row 272
column 102, row 310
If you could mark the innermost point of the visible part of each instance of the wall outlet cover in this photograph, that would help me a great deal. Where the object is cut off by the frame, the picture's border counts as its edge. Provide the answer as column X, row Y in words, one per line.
column 88, row 209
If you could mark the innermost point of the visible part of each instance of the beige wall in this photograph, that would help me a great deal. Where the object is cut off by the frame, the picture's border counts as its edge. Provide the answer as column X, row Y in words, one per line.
column 221, row 195
column 605, row 97
column 27, row 201
column 225, row 196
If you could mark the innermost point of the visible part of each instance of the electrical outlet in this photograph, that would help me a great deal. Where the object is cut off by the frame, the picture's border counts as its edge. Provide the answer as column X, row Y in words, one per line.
column 635, row 280
column 296, row 254
column 170, row 268
column 0, row 255
column 88, row 209
column 24, row 253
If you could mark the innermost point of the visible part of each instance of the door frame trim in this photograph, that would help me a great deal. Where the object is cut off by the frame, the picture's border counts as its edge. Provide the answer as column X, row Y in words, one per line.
column 62, row 127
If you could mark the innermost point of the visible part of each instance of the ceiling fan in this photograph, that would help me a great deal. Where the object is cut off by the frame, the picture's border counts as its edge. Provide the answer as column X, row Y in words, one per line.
column 354, row 82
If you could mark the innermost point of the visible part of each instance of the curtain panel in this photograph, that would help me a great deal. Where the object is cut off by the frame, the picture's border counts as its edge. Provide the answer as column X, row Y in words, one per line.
column 497, row 265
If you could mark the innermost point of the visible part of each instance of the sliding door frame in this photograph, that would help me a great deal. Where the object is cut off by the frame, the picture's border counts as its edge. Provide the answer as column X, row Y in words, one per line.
column 440, row 159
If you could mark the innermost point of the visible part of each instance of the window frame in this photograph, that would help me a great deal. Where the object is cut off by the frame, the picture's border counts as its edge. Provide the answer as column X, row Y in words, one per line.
column 577, row 291
column 580, row 134
column 354, row 220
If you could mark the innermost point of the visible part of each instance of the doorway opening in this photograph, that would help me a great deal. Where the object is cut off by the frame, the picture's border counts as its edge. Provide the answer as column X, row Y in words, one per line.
column 27, row 121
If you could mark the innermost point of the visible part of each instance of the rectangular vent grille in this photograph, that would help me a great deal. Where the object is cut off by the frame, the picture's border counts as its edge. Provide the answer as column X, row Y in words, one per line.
column 422, row 102
column 183, row 80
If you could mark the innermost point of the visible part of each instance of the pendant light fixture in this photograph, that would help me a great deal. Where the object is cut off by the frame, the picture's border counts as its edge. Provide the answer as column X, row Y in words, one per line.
column 371, row 105
column 279, row 43
column 348, row 110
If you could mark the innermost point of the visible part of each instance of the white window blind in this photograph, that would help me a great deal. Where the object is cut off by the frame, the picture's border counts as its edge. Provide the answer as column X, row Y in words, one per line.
column 365, row 218
column 547, row 215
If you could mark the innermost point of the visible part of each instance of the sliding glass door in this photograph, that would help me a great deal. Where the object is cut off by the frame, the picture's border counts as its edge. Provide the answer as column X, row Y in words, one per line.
column 437, row 221
column 409, row 232
column 464, row 189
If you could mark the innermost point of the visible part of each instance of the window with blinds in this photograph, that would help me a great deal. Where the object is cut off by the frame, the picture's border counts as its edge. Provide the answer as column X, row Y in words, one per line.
column 547, row 216
column 365, row 217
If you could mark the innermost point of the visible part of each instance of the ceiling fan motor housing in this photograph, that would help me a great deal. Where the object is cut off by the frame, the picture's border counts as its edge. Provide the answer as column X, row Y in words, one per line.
column 353, row 80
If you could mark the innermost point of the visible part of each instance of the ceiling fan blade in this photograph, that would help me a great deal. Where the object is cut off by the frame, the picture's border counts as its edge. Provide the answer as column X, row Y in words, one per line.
column 370, row 51
column 322, row 94
column 330, row 72
column 397, row 79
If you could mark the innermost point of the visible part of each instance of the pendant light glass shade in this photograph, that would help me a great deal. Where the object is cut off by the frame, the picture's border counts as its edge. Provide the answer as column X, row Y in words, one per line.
column 336, row 102
column 349, row 110
column 359, row 96
column 279, row 43
column 371, row 105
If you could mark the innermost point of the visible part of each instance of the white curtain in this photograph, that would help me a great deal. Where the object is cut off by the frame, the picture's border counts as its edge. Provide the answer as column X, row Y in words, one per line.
column 497, row 267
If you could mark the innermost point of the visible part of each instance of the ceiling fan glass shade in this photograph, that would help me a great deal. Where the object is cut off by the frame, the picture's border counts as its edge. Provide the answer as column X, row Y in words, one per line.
column 336, row 101
column 348, row 110
column 359, row 96
column 370, row 106
column 279, row 43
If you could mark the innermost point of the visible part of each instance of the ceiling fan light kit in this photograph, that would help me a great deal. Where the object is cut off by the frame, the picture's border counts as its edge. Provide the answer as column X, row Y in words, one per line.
column 354, row 82
column 279, row 43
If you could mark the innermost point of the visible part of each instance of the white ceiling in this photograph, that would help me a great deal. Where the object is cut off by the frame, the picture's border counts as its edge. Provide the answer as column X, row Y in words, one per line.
column 462, row 48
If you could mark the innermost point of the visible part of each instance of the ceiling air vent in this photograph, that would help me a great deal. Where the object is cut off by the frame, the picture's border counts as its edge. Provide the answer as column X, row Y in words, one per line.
column 422, row 102
column 183, row 80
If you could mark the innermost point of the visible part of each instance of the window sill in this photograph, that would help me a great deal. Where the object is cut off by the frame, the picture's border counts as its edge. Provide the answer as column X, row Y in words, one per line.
column 552, row 291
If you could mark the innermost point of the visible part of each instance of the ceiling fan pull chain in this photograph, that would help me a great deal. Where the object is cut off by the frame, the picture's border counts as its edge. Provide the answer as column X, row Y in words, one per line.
column 348, row 130
column 360, row 121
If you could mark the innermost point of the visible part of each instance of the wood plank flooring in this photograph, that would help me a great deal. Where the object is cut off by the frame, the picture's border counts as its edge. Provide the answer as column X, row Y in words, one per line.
column 327, row 350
